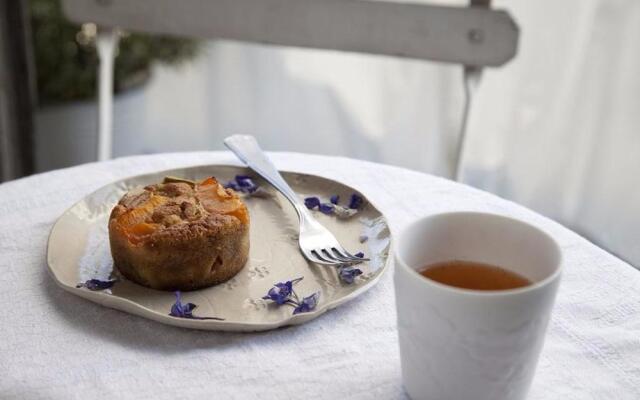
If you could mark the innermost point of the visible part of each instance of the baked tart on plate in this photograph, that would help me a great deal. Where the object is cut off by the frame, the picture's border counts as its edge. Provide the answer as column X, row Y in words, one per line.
column 180, row 234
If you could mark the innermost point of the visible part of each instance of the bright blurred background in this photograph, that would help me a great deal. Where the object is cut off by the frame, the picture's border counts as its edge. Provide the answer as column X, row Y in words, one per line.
column 557, row 129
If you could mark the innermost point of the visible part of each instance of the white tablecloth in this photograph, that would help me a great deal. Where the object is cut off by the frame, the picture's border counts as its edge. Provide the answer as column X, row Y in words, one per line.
column 58, row 346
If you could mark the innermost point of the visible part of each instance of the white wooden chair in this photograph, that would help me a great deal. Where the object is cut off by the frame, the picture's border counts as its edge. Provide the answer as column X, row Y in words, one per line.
column 474, row 37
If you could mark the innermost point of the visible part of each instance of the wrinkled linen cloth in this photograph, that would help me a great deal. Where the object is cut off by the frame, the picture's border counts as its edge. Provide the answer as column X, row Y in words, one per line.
column 59, row 346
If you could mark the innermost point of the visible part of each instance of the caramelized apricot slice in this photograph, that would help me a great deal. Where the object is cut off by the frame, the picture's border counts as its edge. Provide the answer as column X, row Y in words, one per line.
column 142, row 212
column 216, row 199
column 142, row 229
column 136, row 232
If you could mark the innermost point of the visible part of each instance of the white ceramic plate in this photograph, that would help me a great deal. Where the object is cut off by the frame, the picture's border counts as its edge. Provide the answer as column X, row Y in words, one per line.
column 78, row 250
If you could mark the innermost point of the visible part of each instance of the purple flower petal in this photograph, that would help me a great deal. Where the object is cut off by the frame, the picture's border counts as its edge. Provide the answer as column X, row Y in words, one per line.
column 307, row 304
column 242, row 178
column 180, row 310
column 312, row 202
column 334, row 199
column 243, row 184
column 348, row 274
column 96, row 284
column 232, row 185
column 355, row 202
column 281, row 292
column 359, row 254
column 326, row 208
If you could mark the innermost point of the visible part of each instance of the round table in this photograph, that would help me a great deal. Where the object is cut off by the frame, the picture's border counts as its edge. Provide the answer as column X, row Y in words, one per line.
column 58, row 346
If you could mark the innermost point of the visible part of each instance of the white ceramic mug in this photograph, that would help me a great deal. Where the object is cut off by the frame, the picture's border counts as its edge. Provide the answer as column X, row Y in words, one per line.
column 462, row 344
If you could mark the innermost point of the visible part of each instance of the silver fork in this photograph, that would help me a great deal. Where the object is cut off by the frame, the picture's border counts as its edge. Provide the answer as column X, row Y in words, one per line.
column 316, row 242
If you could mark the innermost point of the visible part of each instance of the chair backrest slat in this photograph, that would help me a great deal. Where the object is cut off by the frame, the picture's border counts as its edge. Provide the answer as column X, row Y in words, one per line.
column 467, row 35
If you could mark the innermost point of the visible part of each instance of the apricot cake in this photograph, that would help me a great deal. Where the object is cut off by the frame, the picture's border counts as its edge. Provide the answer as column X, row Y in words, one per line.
column 179, row 234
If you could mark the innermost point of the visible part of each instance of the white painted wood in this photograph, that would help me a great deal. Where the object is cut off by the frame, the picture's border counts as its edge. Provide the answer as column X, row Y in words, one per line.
column 106, row 43
column 471, row 36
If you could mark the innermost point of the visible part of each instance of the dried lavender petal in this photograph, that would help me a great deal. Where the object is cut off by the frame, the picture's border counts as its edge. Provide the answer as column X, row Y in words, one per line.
column 334, row 199
column 307, row 304
column 281, row 292
column 242, row 178
column 242, row 184
column 245, row 183
column 232, row 185
column 327, row 208
column 355, row 202
column 96, row 284
column 348, row 273
column 181, row 310
column 312, row 202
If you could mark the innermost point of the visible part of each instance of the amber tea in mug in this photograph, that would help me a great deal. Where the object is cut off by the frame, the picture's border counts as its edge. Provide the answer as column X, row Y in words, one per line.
column 473, row 275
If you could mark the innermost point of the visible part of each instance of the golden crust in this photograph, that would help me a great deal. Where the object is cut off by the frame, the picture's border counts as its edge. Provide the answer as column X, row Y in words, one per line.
column 176, row 236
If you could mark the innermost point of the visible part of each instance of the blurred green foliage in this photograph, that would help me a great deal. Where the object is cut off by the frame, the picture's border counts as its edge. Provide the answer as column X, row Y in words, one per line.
column 66, row 58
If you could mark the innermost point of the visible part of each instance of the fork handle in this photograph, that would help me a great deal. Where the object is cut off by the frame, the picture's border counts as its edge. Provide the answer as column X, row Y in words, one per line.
column 247, row 149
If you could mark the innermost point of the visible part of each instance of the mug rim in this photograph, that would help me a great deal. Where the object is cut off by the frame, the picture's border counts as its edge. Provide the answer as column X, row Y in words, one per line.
column 400, row 261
